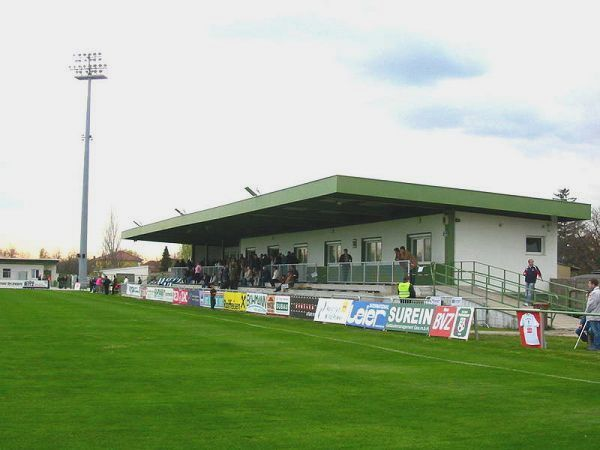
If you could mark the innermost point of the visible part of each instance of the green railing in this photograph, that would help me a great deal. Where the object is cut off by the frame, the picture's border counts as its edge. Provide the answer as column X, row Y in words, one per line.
column 507, row 286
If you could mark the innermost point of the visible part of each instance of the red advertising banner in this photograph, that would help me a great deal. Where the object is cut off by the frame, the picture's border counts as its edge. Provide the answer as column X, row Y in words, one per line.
column 531, row 329
column 442, row 322
column 180, row 296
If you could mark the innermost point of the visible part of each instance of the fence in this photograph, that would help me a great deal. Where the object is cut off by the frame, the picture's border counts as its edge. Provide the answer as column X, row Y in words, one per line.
column 508, row 286
column 307, row 272
column 376, row 272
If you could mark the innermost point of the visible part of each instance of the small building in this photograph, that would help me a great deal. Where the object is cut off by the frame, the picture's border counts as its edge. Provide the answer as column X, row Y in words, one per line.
column 319, row 219
column 28, row 269
column 133, row 274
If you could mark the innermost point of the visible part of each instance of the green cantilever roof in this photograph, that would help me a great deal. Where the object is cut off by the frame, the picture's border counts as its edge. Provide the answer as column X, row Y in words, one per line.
column 341, row 200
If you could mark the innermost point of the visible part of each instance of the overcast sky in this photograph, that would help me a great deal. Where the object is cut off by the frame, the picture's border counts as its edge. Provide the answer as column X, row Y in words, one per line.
column 204, row 98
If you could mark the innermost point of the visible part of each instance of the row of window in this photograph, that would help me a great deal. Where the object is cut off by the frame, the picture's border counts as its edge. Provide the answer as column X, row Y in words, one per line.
column 419, row 245
column 21, row 274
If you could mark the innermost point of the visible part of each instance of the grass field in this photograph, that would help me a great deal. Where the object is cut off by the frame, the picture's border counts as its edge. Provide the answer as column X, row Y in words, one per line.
column 81, row 371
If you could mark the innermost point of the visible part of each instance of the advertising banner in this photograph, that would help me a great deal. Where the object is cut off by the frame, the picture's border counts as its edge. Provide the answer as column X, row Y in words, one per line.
column 368, row 315
column 180, row 296
column 235, row 301
column 279, row 305
column 159, row 293
column 303, row 307
column 133, row 290
column 12, row 284
column 410, row 317
column 24, row 284
column 531, row 329
column 434, row 300
column 462, row 325
column 443, row 321
column 256, row 303
column 333, row 310
column 195, row 296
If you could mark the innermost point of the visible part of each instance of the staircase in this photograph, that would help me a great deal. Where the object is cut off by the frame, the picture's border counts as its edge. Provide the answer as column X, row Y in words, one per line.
column 495, row 287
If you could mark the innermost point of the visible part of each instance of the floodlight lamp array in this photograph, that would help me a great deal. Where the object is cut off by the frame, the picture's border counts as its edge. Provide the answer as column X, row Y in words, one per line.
column 88, row 65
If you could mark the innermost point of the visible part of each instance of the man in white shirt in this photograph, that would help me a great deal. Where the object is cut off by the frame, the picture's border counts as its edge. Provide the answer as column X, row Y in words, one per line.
column 593, row 306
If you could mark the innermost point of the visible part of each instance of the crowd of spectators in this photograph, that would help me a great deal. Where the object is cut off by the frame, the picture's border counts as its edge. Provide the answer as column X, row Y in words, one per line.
column 254, row 270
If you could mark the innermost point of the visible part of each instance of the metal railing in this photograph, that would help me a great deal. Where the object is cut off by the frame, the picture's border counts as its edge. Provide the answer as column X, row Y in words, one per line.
column 376, row 272
column 307, row 272
column 507, row 286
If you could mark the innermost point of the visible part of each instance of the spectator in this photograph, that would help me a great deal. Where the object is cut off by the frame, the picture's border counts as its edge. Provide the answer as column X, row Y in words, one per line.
column 114, row 284
column 99, row 285
column 106, row 283
column 345, row 261
column 405, row 255
column 593, row 306
column 531, row 273
column 198, row 273
column 276, row 277
column 406, row 289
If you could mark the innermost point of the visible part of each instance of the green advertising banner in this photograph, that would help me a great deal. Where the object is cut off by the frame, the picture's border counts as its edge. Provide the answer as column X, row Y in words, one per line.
column 410, row 317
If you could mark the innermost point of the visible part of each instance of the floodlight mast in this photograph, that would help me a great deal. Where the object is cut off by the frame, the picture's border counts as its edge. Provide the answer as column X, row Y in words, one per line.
column 87, row 66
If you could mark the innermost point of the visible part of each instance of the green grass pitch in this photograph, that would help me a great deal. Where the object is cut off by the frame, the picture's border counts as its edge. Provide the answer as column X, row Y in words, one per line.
column 86, row 371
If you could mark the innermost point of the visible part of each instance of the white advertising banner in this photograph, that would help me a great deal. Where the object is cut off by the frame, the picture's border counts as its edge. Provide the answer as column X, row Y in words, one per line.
column 133, row 290
column 333, row 310
column 24, row 284
column 256, row 303
column 282, row 305
column 159, row 293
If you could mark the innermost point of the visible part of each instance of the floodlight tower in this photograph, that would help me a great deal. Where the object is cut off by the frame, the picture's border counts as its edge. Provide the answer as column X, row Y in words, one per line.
column 87, row 66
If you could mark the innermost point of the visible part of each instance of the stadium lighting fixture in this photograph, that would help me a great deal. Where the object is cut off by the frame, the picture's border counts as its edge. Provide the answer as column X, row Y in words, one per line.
column 86, row 67
column 251, row 192
column 137, row 223
column 179, row 212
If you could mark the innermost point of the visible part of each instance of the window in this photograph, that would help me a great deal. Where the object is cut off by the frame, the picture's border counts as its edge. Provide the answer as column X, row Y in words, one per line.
column 301, row 252
column 534, row 244
column 231, row 252
column 420, row 247
column 372, row 249
column 333, row 250
column 5, row 273
column 273, row 251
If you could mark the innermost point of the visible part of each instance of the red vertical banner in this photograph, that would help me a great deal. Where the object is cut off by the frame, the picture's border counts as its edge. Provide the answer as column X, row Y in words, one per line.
column 531, row 329
column 442, row 322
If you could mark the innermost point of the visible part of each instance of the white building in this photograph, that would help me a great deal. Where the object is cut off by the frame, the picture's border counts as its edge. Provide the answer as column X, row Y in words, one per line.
column 27, row 269
column 317, row 220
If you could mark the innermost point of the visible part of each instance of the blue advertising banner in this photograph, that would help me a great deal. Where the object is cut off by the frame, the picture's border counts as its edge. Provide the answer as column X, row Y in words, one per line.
column 368, row 315
column 195, row 296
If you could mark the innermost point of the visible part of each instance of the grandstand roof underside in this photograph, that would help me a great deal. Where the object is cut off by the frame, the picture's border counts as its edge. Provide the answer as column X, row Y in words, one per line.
column 338, row 201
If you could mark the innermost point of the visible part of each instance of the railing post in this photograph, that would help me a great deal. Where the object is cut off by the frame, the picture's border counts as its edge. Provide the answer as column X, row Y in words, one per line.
column 377, row 272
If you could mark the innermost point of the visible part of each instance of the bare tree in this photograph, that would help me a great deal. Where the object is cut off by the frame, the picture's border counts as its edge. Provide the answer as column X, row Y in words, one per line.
column 111, row 244
column 44, row 254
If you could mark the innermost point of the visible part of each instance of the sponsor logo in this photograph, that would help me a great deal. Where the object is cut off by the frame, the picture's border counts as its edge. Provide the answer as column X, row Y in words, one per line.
column 303, row 307
column 368, row 315
column 180, row 296
column 410, row 317
column 333, row 310
column 256, row 303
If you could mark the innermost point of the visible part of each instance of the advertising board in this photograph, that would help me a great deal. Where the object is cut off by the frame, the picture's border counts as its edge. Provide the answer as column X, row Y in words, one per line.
column 333, row 310
column 303, row 307
column 180, row 296
column 410, row 317
column 531, row 329
column 279, row 305
column 133, row 290
column 235, row 301
column 256, row 303
column 370, row 315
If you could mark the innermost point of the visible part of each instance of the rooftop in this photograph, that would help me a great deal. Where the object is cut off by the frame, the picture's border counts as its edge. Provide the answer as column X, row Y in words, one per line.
column 338, row 201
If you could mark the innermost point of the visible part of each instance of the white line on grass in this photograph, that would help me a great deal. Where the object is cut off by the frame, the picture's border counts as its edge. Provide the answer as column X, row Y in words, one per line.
column 387, row 349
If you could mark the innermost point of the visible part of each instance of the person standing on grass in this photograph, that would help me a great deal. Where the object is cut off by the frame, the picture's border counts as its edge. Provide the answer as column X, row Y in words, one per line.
column 213, row 298
column 593, row 306
column 531, row 273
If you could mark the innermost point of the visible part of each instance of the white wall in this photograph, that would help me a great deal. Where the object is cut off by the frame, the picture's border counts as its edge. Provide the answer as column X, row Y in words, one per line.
column 500, row 241
column 393, row 234
column 16, row 268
